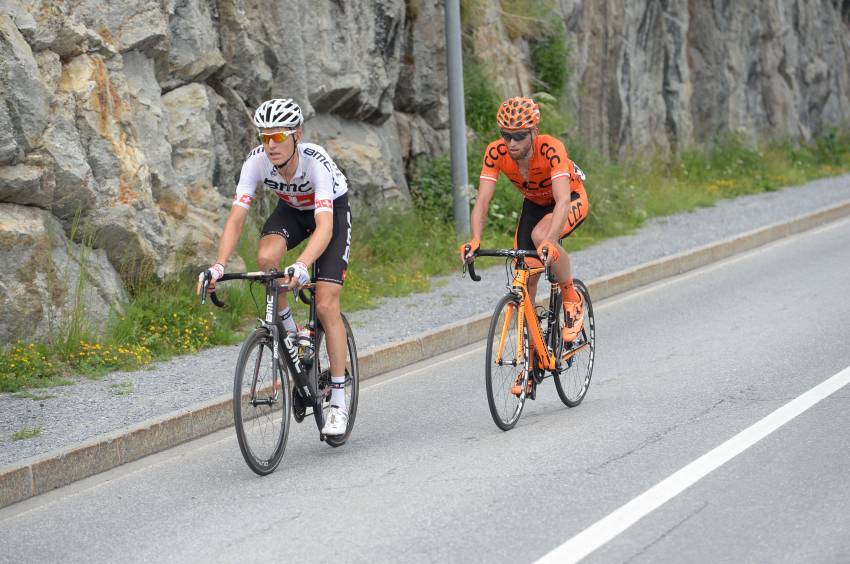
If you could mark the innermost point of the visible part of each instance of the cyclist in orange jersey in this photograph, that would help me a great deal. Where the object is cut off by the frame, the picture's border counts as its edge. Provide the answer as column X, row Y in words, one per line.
column 555, row 201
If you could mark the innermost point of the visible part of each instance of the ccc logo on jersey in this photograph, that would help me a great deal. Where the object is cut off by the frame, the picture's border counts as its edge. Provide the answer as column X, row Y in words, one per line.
column 493, row 154
column 530, row 185
column 551, row 153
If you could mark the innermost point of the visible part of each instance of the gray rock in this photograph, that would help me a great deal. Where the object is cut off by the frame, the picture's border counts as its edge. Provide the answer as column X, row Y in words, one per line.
column 368, row 155
column 8, row 144
column 24, row 94
column 422, row 88
column 150, row 123
column 139, row 25
column 194, row 54
column 30, row 183
column 418, row 139
column 673, row 72
column 52, row 278
column 76, row 187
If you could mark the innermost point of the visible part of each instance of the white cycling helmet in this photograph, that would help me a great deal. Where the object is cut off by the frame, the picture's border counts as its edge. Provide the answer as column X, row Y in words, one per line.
column 278, row 112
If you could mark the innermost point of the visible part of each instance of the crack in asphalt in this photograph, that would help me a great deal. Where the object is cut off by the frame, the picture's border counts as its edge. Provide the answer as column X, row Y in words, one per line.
column 657, row 437
column 667, row 533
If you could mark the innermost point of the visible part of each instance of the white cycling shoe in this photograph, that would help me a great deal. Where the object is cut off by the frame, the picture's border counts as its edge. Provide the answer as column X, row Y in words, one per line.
column 336, row 421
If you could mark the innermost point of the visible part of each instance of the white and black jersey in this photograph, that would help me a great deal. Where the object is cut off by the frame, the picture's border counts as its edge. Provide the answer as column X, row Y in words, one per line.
column 316, row 184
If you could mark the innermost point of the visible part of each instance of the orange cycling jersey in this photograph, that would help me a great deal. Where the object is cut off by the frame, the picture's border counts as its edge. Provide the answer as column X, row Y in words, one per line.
column 548, row 161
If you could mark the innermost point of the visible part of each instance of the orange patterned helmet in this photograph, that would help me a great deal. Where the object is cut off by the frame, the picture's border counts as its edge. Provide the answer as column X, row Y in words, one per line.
column 518, row 113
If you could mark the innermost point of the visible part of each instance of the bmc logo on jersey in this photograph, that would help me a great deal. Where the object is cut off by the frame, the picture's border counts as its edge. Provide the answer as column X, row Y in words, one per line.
column 284, row 187
column 319, row 157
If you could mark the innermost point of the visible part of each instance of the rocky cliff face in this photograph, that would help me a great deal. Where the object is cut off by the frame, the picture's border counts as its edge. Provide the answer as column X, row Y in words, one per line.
column 129, row 120
column 668, row 73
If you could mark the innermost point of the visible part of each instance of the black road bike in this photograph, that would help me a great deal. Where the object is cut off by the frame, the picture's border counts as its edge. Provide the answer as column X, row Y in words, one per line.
column 275, row 377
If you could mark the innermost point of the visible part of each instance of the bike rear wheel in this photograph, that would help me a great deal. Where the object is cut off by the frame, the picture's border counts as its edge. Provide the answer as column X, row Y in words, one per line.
column 505, row 366
column 262, row 402
column 573, row 379
column 321, row 370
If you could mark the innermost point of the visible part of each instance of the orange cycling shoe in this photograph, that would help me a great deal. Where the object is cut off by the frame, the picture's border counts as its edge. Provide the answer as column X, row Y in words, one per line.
column 574, row 318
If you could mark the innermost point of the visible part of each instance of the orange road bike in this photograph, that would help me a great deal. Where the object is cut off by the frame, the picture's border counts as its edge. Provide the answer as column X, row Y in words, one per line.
column 521, row 354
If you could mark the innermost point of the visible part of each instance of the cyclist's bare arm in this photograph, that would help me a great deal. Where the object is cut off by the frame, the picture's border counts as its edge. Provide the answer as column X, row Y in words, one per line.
column 478, row 217
column 231, row 234
column 561, row 194
column 229, row 239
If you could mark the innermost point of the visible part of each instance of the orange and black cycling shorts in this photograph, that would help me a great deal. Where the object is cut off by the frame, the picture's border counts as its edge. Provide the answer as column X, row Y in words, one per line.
column 533, row 213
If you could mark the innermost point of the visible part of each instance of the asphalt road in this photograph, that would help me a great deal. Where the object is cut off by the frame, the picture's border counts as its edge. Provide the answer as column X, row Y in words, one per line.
column 682, row 367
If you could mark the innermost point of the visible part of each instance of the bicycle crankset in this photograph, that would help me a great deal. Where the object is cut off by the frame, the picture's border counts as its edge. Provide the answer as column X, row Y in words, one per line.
column 299, row 407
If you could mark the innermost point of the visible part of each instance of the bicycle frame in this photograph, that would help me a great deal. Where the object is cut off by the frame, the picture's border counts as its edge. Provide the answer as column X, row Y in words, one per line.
column 273, row 324
column 527, row 316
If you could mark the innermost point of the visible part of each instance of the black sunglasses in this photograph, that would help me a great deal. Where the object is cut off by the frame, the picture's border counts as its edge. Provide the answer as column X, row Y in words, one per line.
column 518, row 136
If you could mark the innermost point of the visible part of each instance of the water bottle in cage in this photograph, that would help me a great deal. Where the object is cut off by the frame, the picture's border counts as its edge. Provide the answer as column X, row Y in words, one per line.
column 305, row 343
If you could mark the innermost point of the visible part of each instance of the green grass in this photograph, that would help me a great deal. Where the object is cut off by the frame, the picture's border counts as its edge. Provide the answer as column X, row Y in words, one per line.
column 26, row 433
column 124, row 388
column 26, row 394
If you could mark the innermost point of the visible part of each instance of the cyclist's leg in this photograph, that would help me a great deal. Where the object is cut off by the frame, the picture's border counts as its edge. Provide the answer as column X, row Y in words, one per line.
column 331, row 267
column 330, row 275
column 530, row 217
column 281, row 232
column 561, row 269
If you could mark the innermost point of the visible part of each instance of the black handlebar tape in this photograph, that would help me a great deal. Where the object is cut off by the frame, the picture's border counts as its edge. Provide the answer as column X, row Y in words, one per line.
column 302, row 295
column 215, row 300
column 475, row 277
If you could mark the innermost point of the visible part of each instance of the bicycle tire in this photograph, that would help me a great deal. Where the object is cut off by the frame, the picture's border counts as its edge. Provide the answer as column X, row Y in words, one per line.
column 257, row 422
column 573, row 379
column 321, row 372
column 505, row 406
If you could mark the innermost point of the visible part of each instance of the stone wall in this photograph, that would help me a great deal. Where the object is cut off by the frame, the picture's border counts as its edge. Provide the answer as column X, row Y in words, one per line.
column 670, row 73
column 129, row 121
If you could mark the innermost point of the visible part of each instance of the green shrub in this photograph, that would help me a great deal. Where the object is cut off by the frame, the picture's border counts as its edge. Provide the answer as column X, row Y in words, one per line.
column 431, row 188
column 549, row 60
column 28, row 366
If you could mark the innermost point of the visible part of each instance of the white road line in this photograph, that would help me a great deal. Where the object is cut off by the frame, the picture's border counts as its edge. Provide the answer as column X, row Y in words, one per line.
column 603, row 531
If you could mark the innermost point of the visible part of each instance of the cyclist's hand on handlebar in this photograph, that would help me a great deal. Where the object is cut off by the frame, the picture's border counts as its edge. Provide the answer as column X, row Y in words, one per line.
column 551, row 251
column 467, row 250
column 297, row 275
column 216, row 271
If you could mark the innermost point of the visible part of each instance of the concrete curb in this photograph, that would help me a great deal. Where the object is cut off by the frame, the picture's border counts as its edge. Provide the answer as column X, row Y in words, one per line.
column 40, row 474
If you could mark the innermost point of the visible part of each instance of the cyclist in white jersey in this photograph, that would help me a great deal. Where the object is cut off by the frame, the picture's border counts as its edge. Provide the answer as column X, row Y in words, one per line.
column 313, row 203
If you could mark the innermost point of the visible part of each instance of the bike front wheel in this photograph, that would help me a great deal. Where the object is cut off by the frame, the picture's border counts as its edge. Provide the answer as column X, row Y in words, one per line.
column 572, row 380
column 506, row 364
column 262, row 402
column 321, row 370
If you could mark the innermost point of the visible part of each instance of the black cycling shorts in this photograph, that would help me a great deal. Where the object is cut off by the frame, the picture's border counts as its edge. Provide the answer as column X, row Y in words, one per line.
column 533, row 213
column 296, row 225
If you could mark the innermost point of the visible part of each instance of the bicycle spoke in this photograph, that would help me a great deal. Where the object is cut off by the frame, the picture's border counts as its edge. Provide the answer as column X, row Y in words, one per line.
column 573, row 379
column 261, row 405
column 506, row 365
